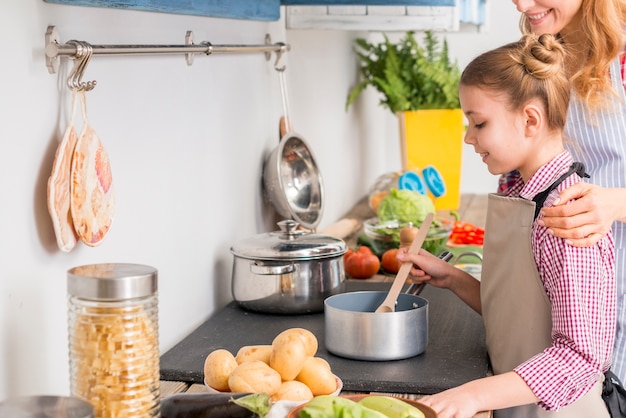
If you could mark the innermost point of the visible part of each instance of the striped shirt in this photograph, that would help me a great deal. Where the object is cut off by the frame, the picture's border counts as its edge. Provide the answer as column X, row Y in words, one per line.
column 580, row 284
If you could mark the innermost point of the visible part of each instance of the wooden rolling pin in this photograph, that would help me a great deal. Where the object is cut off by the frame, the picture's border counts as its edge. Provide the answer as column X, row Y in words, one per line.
column 342, row 228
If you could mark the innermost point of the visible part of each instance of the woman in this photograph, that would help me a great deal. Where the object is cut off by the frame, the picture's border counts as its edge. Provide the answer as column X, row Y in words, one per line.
column 593, row 33
column 548, row 307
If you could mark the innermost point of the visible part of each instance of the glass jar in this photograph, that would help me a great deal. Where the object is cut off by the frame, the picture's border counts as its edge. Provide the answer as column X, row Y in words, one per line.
column 113, row 339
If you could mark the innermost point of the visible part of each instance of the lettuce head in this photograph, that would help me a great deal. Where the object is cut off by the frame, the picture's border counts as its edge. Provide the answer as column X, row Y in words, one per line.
column 405, row 206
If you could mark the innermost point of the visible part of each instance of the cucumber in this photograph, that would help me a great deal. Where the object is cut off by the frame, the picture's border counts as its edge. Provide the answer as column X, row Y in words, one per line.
column 391, row 407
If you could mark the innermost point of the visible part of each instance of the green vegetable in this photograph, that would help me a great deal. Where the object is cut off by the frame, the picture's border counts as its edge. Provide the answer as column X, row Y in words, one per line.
column 391, row 407
column 259, row 403
column 405, row 206
column 327, row 406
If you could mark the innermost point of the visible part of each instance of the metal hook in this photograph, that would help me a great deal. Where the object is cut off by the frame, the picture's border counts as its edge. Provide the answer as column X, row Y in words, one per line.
column 279, row 55
column 84, row 52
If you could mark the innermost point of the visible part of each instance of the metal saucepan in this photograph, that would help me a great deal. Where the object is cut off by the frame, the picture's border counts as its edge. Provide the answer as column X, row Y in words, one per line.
column 354, row 330
column 291, row 177
column 288, row 271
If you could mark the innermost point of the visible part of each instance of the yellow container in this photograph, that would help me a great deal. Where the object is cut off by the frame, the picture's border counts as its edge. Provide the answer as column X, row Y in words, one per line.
column 435, row 138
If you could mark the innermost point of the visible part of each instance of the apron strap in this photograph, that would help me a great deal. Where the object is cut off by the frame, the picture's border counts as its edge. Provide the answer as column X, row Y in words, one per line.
column 540, row 198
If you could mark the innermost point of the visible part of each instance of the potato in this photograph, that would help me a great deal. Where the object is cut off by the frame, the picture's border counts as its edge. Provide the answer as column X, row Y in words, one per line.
column 316, row 374
column 310, row 340
column 254, row 376
column 218, row 366
column 254, row 352
column 292, row 390
column 288, row 355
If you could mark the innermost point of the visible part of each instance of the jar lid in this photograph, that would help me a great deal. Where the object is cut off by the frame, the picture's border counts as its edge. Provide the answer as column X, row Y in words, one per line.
column 46, row 407
column 112, row 281
column 410, row 180
column 289, row 243
column 434, row 181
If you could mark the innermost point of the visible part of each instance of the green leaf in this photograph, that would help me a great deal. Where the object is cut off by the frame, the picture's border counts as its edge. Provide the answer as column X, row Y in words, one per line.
column 409, row 76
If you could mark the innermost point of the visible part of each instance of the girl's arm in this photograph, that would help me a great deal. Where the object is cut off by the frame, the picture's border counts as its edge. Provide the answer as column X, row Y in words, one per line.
column 430, row 269
column 490, row 393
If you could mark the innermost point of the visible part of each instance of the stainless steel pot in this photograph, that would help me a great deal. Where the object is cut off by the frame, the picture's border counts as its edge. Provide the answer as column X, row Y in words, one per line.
column 354, row 330
column 288, row 271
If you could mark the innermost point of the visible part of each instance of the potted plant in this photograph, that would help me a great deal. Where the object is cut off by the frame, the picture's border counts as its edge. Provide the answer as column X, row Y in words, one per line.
column 420, row 85
column 410, row 77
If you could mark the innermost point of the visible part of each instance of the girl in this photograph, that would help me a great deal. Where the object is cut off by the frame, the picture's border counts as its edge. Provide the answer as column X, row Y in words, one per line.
column 593, row 33
column 548, row 308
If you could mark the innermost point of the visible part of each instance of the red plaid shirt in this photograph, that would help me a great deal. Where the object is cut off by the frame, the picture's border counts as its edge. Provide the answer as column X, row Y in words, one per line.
column 580, row 284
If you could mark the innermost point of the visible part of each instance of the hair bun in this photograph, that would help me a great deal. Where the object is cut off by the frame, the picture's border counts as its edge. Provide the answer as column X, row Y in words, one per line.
column 542, row 56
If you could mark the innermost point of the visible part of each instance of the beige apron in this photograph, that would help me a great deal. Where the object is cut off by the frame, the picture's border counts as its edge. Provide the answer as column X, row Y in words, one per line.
column 515, row 308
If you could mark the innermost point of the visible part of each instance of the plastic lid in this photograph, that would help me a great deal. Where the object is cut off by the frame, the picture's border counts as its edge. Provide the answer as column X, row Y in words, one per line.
column 112, row 281
column 289, row 243
column 434, row 181
column 411, row 181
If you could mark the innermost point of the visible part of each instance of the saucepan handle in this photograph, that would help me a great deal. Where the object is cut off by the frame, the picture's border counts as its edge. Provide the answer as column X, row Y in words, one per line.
column 271, row 270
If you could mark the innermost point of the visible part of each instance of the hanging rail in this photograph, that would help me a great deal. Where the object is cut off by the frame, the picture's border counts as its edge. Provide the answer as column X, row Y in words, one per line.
column 80, row 49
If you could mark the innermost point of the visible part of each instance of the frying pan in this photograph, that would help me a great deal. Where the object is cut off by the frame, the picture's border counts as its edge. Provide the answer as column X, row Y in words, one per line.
column 291, row 176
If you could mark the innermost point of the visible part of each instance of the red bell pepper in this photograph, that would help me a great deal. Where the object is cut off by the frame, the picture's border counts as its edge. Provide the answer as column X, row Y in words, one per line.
column 466, row 233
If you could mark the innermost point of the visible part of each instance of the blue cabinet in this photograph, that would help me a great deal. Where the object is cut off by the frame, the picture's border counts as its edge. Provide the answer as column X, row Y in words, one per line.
column 233, row 9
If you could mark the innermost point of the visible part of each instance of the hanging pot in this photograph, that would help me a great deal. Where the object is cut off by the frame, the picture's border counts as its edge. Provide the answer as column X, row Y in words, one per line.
column 293, row 183
column 288, row 271
column 291, row 177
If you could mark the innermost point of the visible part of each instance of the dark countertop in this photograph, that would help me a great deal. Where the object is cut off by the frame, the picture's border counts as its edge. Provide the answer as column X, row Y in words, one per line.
column 455, row 353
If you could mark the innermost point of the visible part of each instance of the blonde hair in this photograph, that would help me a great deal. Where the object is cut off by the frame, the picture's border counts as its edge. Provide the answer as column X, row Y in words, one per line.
column 602, row 22
column 532, row 68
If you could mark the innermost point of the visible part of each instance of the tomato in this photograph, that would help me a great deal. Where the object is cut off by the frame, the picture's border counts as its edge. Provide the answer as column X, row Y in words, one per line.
column 361, row 263
column 390, row 262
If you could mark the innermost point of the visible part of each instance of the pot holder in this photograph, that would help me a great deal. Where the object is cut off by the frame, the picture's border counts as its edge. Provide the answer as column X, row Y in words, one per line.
column 59, row 187
column 92, row 197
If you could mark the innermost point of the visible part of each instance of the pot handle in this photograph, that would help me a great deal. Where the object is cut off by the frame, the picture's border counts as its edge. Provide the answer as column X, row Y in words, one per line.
column 271, row 270
column 473, row 254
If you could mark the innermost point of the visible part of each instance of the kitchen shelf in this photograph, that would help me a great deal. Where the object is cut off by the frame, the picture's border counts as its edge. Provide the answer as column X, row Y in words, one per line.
column 373, row 18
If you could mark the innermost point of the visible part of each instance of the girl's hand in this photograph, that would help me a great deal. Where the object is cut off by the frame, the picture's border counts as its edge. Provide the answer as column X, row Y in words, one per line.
column 436, row 272
column 426, row 267
column 584, row 221
column 452, row 403
column 487, row 394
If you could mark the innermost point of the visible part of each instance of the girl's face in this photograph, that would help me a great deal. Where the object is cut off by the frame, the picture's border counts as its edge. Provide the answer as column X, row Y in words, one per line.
column 496, row 133
column 549, row 16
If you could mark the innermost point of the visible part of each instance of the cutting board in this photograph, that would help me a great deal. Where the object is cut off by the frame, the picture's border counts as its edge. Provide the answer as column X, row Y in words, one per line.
column 455, row 353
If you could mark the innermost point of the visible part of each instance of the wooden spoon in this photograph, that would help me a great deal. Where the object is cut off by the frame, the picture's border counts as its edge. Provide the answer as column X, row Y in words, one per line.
column 389, row 304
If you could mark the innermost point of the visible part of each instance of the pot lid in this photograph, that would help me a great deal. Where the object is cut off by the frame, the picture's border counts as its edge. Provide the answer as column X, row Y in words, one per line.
column 289, row 243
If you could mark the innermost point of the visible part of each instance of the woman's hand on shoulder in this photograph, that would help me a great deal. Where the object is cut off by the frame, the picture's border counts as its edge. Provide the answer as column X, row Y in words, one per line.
column 584, row 213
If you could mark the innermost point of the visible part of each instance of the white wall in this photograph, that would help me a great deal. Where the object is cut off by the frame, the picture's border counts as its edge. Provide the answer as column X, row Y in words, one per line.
column 186, row 144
